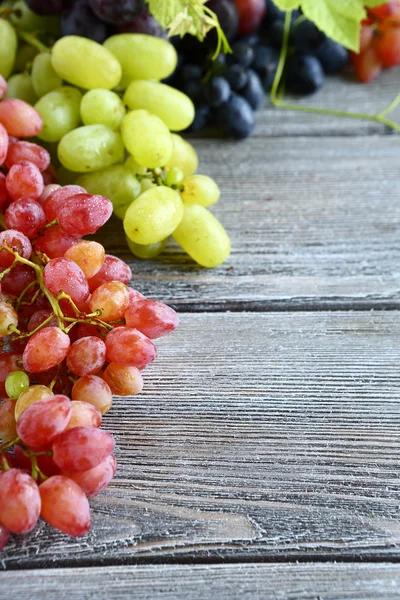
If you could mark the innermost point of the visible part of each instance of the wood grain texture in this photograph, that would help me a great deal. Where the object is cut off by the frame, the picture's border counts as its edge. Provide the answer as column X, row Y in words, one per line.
column 258, row 436
column 207, row 582
column 314, row 222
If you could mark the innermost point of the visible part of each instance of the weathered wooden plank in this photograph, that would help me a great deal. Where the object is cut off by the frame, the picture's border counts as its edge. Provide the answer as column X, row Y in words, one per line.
column 313, row 221
column 330, row 581
column 262, row 436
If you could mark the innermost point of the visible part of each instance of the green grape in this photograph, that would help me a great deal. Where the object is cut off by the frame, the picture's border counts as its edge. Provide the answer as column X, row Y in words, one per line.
column 25, row 56
column 142, row 56
column 200, row 189
column 183, row 156
column 44, row 77
column 16, row 383
column 65, row 177
column 21, row 86
column 59, row 110
column 146, row 251
column 102, row 106
column 153, row 216
column 8, row 48
column 146, row 138
column 27, row 20
column 174, row 177
column 85, row 63
column 146, row 184
column 117, row 183
column 202, row 236
column 90, row 148
column 134, row 167
column 170, row 105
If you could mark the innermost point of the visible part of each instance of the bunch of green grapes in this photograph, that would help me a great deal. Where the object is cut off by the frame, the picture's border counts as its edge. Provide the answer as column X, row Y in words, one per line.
column 112, row 126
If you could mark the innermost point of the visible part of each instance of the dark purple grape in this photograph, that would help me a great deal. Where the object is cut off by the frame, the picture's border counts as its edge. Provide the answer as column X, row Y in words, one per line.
column 242, row 54
column 117, row 12
column 80, row 20
column 305, row 74
column 235, row 118
column 143, row 23
column 189, row 72
column 332, row 56
column 217, row 91
column 201, row 117
column 227, row 16
column 47, row 7
column 237, row 77
column 265, row 64
column 307, row 37
column 253, row 91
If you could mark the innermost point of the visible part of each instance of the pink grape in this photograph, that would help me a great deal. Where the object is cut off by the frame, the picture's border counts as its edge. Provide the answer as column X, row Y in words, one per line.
column 86, row 356
column 94, row 390
column 129, row 347
column 65, row 506
column 18, row 242
column 47, row 190
column 19, row 501
column 86, row 329
column 27, row 151
column 14, row 282
column 4, row 536
column 42, row 421
column 3, row 87
column 82, row 448
column 24, row 180
column 57, row 198
column 45, row 463
column 111, row 299
column 63, row 275
column 134, row 296
column 88, row 255
column 49, row 175
column 19, row 118
column 45, row 349
column 8, row 426
column 84, row 214
column 113, row 269
column 4, row 197
column 25, row 215
column 152, row 318
column 39, row 317
column 84, row 415
column 95, row 480
column 54, row 242
column 123, row 380
column 3, row 143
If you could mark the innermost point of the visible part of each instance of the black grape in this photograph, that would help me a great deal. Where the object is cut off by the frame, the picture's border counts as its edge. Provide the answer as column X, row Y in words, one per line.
column 117, row 12
column 227, row 16
column 235, row 117
column 217, row 91
column 333, row 56
column 253, row 92
column 47, row 7
column 80, row 20
column 143, row 23
column 304, row 74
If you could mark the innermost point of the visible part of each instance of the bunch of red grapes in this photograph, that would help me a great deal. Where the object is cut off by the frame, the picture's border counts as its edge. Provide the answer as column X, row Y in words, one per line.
column 380, row 41
column 72, row 334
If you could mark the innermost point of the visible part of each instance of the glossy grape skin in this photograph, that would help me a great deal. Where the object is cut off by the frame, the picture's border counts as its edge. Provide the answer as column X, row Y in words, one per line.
column 24, row 180
column 60, row 112
column 146, row 251
column 19, row 118
column 143, row 56
column 27, row 216
column 65, row 506
column 44, row 78
column 111, row 299
column 90, row 148
column 82, row 448
column 8, row 48
column 56, row 199
column 134, row 296
column 54, row 242
column 200, row 189
column 8, row 426
column 18, row 242
column 152, row 318
column 102, row 107
column 3, row 145
column 95, row 391
column 95, row 480
column 14, row 282
column 236, row 117
column 123, row 380
column 147, row 138
column 84, row 214
column 8, row 317
column 42, row 421
column 47, row 191
column 153, row 216
column 39, row 317
column 45, row 349
column 83, row 414
column 85, row 63
column 20, row 86
column 22, row 150
column 16, row 383
column 183, row 156
column 86, row 356
column 202, row 236
column 88, row 255
column 31, row 395
column 113, row 269
column 4, row 536
column 19, row 501
column 129, row 347
column 64, row 275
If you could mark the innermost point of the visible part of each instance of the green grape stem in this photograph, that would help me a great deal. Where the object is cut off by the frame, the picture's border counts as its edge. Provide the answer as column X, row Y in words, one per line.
column 277, row 101
column 7, row 445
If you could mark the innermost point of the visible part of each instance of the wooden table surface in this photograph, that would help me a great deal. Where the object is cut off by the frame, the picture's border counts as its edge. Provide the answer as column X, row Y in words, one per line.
column 262, row 459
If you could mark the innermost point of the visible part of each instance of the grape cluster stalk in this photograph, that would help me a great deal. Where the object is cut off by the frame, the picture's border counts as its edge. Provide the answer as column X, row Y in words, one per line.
column 72, row 334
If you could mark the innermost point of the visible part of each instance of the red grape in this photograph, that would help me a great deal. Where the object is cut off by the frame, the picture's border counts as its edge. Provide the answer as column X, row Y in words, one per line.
column 152, row 318
column 251, row 13
column 9, row 362
column 19, row 501
column 88, row 255
column 63, row 275
column 42, row 421
column 94, row 390
column 84, row 214
column 367, row 65
column 112, row 299
column 123, row 380
column 85, row 329
column 54, row 242
column 39, row 317
column 45, row 349
column 27, row 151
column 56, row 199
column 86, row 356
column 3, row 143
column 134, row 296
column 82, row 448
column 8, row 426
column 129, row 347
column 387, row 46
column 18, row 242
column 49, row 175
column 45, row 463
column 95, row 480
column 19, row 118
column 25, row 215
column 84, row 415
column 3, row 190
column 113, row 269
column 4, row 536
column 14, row 283
column 47, row 190
column 65, row 506
column 24, row 180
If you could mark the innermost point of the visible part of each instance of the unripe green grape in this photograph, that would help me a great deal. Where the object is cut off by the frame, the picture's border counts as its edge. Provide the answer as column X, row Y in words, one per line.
column 142, row 56
column 146, row 251
column 8, row 48
column 173, row 107
column 104, row 107
column 146, row 138
column 183, row 156
column 17, row 382
column 44, row 77
column 134, row 167
column 25, row 56
column 174, row 176
column 202, row 236
column 21, row 86
column 146, row 184
column 60, row 112
column 90, row 148
column 200, row 189
column 116, row 183
column 85, row 63
column 153, row 216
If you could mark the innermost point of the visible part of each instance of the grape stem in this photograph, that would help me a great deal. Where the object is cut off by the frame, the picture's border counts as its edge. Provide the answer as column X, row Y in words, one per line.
column 277, row 101
column 31, row 39
column 7, row 445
